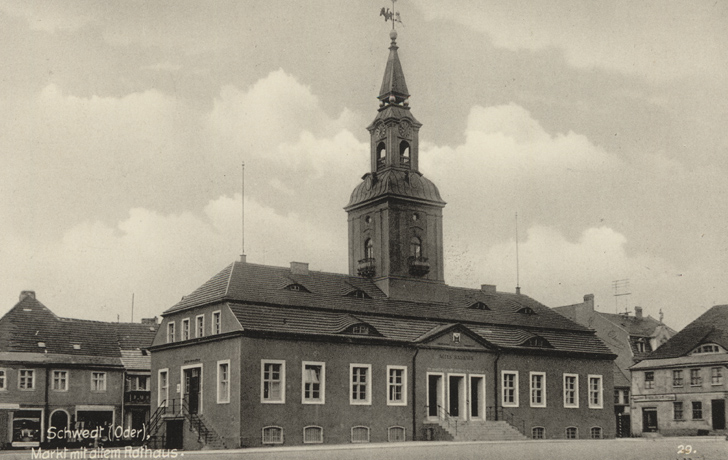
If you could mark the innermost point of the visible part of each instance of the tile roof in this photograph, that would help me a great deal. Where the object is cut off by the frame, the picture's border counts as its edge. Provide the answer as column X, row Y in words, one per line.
column 31, row 328
column 710, row 327
column 257, row 296
column 682, row 361
column 643, row 327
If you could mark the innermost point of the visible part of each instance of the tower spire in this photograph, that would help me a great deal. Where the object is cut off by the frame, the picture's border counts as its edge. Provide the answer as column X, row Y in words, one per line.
column 394, row 87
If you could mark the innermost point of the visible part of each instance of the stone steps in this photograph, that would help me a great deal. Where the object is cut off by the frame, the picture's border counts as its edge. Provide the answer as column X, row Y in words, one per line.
column 483, row 430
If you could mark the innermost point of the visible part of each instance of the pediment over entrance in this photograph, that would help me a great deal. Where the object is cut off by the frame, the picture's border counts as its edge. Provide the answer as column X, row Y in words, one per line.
column 455, row 336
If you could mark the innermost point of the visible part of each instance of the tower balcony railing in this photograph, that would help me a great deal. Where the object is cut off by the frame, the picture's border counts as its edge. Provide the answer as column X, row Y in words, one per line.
column 418, row 266
column 366, row 267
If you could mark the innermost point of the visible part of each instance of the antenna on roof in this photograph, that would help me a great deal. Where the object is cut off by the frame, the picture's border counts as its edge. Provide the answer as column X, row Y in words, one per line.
column 621, row 288
column 518, row 270
column 132, row 307
column 242, row 204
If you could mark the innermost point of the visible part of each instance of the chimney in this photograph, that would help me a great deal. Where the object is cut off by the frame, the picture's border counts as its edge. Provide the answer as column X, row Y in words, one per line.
column 150, row 321
column 487, row 287
column 638, row 312
column 242, row 258
column 299, row 268
column 518, row 290
column 24, row 294
column 589, row 301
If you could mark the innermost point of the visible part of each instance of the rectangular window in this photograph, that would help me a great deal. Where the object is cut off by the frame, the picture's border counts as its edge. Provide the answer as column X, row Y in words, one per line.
column 26, row 379
column 649, row 380
column 170, row 332
column 697, row 410
column 140, row 383
column 695, row 379
column 396, row 386
column 677, row 378
column 273, row 378
column 617, row 394
column 509, row 394
column 538, row 389
column 186, row 329
column 216, row 325
column 98, row 381
column 3, row 380
column 360, row 390
column 60, row 380
column 716, row 376
column 677, row 410
column 163, row 387
column 571, row 390
column 626, row 396
column 200, row 326
column 313, row 383
column 223, row 381
column 595, row 392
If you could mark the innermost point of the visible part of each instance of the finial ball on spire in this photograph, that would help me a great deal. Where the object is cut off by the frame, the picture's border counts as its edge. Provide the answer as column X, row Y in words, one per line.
column 393, row 34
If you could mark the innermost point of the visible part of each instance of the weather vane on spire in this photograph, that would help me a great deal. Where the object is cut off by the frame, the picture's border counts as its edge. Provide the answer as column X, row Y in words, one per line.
column 391, row 15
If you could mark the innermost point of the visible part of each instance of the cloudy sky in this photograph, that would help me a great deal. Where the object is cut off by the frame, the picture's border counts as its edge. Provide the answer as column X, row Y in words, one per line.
column 124, row 125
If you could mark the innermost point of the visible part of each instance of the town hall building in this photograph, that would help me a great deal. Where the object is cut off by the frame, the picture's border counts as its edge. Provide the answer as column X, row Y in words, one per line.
column 264, row 355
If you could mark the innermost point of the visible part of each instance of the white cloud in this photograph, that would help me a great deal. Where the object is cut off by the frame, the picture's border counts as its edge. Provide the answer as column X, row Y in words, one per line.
column 676, row 39
column 52, row 16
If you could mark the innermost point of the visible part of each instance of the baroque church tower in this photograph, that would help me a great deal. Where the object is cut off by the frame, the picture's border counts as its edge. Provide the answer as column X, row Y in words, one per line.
column 395, row 214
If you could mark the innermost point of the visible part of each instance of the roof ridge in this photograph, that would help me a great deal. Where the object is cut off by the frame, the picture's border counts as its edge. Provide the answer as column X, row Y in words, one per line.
column 230, row 277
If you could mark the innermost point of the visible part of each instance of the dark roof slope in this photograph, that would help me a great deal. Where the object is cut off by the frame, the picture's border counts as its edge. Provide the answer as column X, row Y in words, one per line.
column 258, row 297
column 30, row 327
column 710, row 327
column 642, row 327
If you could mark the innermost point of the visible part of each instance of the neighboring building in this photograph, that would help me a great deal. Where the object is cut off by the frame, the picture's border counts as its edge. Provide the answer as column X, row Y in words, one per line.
column 631, row 338
column 681, row 389
column 263, row 355
column 68, row 373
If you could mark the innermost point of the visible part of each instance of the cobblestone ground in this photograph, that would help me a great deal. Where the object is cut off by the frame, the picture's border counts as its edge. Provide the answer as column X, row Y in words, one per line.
column 628, row 449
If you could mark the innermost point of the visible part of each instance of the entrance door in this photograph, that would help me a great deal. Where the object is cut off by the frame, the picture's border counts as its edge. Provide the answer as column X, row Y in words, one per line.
column 174, row 435
column 649, row 419
column 718, row 409
column 476, row 396
column 434, row 392
column 456, row 395
column 192, row 389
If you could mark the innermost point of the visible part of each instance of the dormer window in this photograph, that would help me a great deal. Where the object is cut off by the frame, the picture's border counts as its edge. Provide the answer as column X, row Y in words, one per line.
column 76, row 346
column 297, row 288
column 41, row 344
column 707, row 348
column 640, row 345
column 360, row 329
column 381, row 155
column 404, row 153
column 536, row 342
column 479, row 306
column 526, row 311
column 358, row 294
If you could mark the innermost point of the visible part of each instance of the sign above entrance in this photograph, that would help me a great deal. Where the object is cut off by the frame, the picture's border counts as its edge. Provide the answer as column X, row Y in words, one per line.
column 650, row 398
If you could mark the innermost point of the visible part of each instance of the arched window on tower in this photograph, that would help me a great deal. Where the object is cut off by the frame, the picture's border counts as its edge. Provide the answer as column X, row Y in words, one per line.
column 368, row 249
column 381, row 155
column 404, row 154
column 415, row 247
